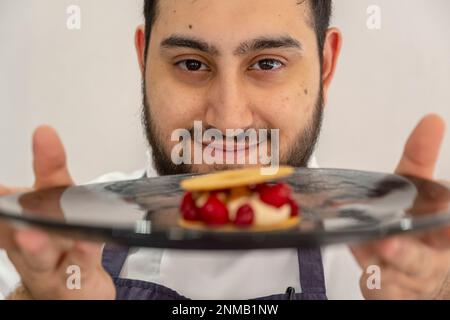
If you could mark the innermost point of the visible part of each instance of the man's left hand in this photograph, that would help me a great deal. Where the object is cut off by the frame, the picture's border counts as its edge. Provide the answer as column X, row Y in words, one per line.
column 412, row 267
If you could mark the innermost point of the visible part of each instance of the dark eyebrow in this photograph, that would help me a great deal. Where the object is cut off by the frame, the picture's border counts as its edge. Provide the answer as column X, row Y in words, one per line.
column 177, row 41
column 267, row 43
column 261, row 43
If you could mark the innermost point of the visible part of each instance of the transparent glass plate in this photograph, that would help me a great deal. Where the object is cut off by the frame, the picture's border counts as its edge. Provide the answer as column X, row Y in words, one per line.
column 338, row 206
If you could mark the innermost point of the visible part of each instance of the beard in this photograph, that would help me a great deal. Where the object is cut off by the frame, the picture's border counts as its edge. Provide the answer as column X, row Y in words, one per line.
column 297, row 155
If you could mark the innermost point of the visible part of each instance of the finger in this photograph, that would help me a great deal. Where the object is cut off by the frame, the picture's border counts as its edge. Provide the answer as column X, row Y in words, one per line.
column 445, row 183
column 433, row 199
column 422, row 148
column 405, row 254
column 6, row 233
column 364, row 255
column 87, row 254
column 49, row 159
column 438, row 239
column 4, row 190
column 392, row 285
column 39, row 253
column 7, row 190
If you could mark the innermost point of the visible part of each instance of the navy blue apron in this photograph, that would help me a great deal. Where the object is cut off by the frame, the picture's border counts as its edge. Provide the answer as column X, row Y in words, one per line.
column 310, row 268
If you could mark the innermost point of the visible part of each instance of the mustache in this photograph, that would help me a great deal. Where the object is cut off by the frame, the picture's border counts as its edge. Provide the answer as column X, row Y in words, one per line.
column 238, row 135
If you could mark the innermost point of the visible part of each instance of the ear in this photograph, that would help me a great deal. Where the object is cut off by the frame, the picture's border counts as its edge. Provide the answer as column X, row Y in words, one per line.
column 331, row 51
column 139, row 42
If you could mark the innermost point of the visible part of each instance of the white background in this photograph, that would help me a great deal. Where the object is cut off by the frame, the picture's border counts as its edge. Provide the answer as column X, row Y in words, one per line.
column 86, row 84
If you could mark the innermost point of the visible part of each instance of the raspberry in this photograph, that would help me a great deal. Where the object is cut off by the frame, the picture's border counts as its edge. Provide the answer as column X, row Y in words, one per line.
column 258, row 187
column 244, row 216
column 277, row 195
column 214, row 212
column 188, row 208
column 294, row 208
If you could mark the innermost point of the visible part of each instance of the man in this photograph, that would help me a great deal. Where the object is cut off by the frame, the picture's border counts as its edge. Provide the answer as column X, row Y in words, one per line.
column 232, row 65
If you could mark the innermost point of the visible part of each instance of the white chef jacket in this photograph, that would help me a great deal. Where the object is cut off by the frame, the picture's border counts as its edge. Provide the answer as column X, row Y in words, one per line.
column 222, row 274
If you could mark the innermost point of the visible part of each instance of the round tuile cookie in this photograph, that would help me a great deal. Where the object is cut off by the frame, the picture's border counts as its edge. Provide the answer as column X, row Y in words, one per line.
column 233, row 178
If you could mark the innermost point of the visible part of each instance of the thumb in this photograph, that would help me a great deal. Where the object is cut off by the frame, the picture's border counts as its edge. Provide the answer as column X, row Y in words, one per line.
column 422, row 148
column 49, row 160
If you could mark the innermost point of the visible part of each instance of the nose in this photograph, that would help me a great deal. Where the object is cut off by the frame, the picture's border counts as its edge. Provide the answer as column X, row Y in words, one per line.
column 228, row 104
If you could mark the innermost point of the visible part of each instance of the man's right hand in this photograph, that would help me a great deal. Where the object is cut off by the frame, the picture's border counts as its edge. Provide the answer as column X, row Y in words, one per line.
column 42, row 259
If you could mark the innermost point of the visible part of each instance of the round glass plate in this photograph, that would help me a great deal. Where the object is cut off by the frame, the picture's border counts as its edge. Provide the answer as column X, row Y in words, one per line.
column 338, row 206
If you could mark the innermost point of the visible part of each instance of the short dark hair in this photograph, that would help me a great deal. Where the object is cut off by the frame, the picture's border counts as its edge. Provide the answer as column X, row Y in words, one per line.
column 321, row 13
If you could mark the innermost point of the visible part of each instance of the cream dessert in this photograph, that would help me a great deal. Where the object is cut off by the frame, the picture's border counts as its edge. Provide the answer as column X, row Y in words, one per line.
column 232, row 200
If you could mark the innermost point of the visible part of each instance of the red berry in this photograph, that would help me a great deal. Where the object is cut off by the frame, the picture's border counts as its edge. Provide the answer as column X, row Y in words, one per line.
column 259, row 187
column 294, row 208
column 214, row 212
column 277, row 195
column 244, row 216
column 188, row 208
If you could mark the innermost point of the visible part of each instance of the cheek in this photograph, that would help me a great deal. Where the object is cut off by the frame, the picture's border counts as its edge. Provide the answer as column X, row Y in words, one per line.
column 172, row 107
column 287, row 109
column 290, row 111
column 287, row 104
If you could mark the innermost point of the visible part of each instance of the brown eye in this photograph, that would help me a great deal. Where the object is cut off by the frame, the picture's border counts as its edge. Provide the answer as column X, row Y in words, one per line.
column 192, row 65
column 267, row 65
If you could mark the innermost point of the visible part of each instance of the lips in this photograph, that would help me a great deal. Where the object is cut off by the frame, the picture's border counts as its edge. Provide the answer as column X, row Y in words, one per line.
column 231, row 146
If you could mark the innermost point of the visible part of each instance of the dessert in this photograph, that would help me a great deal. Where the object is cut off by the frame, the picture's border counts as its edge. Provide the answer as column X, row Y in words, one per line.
column 239, row 199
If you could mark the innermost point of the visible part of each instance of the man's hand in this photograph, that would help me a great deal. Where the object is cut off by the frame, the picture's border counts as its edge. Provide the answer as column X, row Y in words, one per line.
column 412, row 268
column 41, row 259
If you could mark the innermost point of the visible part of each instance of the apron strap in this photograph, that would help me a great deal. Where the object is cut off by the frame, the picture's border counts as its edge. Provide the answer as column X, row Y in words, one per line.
column 113, row 259
column 312, row 279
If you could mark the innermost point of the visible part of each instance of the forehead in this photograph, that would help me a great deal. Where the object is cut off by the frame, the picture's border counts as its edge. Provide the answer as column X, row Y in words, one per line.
column 225, row 21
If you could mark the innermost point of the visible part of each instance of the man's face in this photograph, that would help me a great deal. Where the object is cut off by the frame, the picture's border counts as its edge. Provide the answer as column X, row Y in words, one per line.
column 233, row 65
